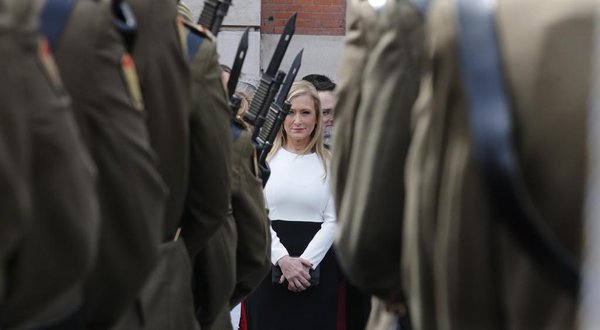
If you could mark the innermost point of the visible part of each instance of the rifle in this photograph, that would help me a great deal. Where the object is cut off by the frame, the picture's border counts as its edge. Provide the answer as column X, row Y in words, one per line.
column 275, row 85
column 274, row 119
column 234, row 100
column 222, row 10
column 238, row 62
column 213, row 13
column 260, row 100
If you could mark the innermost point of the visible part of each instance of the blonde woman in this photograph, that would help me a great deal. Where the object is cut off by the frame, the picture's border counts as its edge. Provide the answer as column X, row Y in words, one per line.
column 301, row 291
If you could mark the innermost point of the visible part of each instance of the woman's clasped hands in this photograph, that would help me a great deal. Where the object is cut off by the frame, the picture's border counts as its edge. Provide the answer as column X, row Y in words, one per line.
column 296, row 271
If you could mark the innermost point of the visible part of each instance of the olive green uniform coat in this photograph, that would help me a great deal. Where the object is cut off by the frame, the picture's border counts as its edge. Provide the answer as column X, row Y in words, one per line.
column 166, row 300
column 208, row 228
column 165, row 82
column 90, row 55
column 45, row 277
column 462, row 269
column 371, row 140
column 15, row 149
column 253, row 253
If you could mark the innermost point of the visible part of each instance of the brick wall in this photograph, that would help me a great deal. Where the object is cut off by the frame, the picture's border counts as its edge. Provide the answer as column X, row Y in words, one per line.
column 315, row 17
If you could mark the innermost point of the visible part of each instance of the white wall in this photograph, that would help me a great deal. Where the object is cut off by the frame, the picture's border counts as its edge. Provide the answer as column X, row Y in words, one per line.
column 227, row 45
column 241, row 12
column 322, row 54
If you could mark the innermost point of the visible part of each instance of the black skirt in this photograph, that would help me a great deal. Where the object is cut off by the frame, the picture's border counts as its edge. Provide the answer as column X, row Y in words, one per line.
column 274, row 307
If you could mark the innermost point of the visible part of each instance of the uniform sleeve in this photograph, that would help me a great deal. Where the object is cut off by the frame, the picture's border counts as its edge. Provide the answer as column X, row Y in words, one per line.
column 248, row 206
column 209, row 190
column 321, row 243
column 15, row 190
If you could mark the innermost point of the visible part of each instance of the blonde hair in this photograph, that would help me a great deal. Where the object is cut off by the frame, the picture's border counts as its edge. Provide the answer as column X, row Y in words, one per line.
column 315, row 144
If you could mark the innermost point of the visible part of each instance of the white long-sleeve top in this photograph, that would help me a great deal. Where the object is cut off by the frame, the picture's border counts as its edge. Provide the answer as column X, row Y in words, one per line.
column 296, row 191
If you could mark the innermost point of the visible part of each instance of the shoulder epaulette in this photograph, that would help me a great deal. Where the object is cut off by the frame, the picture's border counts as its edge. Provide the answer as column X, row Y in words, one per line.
column 196, row 35
column 54, row 17
column 200, row 30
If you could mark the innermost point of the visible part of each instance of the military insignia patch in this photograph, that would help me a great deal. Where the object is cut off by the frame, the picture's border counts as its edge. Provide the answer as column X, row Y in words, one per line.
column 49, row 66
column 132, row 81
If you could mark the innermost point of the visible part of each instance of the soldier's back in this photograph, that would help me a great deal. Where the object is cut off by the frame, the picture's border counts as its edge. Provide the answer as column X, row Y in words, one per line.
column 101, row 78
column 463, row 267
column 46, row 276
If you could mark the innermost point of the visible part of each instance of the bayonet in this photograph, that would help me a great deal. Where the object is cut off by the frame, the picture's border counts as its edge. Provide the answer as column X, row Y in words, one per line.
column 275, row 118
column 262, row 116
column 208, row 14
column 265, row 170
column 238, row 62
column 222, row 9
column 260, row 101
column 268, row 127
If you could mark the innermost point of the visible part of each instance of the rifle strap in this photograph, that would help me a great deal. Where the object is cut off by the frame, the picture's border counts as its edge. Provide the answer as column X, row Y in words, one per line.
column 236, row 130
column 421, row 5
column 196, row 35
column 491, row 128
column 54, row 17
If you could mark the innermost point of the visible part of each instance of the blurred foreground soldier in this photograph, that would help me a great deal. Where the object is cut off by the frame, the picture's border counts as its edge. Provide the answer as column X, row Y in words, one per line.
column 464, row 266
column 590, row 291
column 15, row 148
column 100, row 76
column 45, row 275
column 370, row 145
column 208, row 229
column 165, row 301
column 214, row 263
column 253, row 256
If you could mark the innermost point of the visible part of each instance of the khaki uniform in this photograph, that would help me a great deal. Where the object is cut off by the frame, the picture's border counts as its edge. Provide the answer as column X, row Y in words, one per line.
column 46, row 274
column 371, row 141
column 100, row 77
column 462, row 269
column 208, row 229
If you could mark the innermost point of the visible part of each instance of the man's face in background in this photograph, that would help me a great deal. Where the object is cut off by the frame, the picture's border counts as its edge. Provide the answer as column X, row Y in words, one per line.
column 328, row 109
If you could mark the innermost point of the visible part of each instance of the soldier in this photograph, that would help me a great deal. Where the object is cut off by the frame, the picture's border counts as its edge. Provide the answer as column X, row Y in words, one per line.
column 46, row 273
column 370, row 144
column 15, row 151
column 463, row 265
column 110, row 114
column 253, row 256
column 165, row 86
column 208, row 227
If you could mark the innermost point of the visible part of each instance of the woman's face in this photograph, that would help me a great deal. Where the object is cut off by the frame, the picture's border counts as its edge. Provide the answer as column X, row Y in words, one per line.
column 302, row 119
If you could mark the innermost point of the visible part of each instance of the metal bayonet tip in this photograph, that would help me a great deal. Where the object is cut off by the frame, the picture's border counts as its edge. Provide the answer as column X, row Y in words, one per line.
column 291, row 23
column 244, row 41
